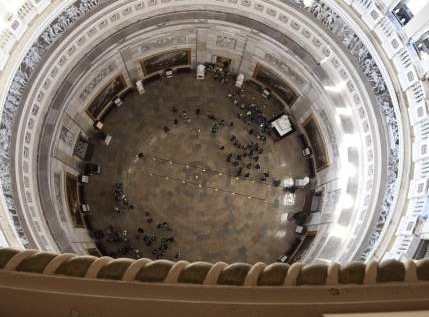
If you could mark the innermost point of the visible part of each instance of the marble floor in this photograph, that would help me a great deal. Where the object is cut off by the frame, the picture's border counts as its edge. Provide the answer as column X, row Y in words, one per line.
column 185, row 179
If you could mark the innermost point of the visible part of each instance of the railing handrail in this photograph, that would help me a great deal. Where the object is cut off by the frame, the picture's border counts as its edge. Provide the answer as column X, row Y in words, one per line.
column 204, row 273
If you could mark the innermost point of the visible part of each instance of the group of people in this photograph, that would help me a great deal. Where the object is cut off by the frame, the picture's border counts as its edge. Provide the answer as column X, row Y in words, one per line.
column 121, row 200
column 245, row 156
column 148, row 240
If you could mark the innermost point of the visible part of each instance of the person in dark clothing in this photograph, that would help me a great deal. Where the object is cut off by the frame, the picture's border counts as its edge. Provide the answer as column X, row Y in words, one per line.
column 276, row 183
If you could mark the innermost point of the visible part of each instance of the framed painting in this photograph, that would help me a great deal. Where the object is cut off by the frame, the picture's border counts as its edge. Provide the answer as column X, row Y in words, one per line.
column 165, row 60
column 273, row 82
column 222, row 62
column 105, row 96
column 317, row 143
column 72, row 196
column 303, row 247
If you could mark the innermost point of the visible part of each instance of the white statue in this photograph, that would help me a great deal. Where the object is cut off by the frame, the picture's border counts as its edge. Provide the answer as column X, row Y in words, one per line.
column 240, row 80
column 201, row 71
column 316, row 8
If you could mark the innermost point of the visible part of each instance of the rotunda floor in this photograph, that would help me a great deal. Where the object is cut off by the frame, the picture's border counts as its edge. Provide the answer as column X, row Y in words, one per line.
column 184, row 198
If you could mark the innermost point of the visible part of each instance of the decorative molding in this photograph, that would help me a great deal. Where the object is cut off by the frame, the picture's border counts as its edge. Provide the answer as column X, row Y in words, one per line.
column 331, row 136
column 103, row 73
column 272, row 60
column 226, row 42
column 170, row 39
column 58, row 196
column 345, row 33
column 67, row 136
column 32, row 59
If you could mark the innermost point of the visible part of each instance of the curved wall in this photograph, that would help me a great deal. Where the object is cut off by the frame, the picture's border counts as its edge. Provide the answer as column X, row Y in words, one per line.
column 292, row 36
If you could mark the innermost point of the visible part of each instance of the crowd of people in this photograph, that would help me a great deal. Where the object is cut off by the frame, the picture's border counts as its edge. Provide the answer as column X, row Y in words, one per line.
column 148, row 239
column 244, row 156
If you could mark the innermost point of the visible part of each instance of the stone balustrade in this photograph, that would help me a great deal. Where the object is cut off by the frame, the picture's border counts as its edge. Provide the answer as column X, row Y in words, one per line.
column 236, row 274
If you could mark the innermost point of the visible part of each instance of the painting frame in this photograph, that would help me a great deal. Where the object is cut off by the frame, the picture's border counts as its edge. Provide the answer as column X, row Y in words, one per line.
column 272, row 80
column 71, row 190
column 98, row 103
column 303, row 247
column 219, row 61
column 152, row 65
column 316, row 142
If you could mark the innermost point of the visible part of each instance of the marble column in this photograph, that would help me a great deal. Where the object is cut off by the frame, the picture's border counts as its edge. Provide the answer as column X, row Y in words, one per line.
column 248, row 62
column 128, row 61
column 82, row 121
column 201, row 45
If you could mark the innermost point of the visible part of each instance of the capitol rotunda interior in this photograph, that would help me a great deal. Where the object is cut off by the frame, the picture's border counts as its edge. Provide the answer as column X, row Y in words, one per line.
column 216, row 157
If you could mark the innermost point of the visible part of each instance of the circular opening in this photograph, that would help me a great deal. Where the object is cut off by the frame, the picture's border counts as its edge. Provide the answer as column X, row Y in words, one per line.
column 194, row 170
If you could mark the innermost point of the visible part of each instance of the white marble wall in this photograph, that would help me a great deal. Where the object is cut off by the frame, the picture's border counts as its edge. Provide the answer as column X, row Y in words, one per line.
column 32, row 222
column 17, row 25
column 399, row 243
